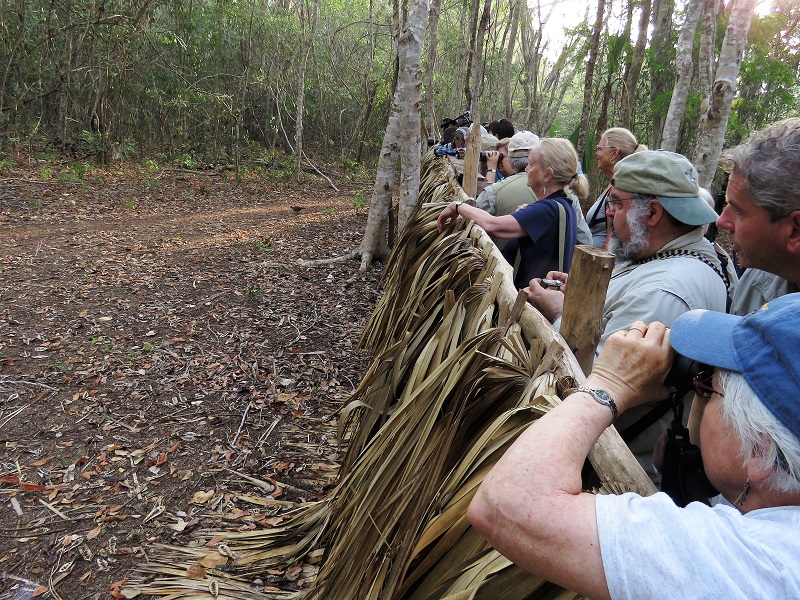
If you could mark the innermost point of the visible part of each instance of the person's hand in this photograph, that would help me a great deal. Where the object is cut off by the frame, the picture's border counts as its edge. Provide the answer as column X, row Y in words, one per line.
column 492, row 158
column 562, row 277
column 548, row 301
column 447, row 218
column 633, row 365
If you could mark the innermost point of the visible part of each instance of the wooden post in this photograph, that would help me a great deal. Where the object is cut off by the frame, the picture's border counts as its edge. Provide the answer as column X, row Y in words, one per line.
column 581, row 321
column 473, row 151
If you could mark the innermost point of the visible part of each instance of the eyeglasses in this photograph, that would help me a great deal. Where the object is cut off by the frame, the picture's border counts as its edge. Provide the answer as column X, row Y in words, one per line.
column 702, row 385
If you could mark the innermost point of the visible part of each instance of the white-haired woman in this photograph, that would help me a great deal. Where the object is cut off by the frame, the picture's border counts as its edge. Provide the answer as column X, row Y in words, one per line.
column 628, row 546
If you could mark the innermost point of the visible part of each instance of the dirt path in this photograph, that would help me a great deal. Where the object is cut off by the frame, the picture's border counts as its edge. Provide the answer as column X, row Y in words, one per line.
column 165, row 364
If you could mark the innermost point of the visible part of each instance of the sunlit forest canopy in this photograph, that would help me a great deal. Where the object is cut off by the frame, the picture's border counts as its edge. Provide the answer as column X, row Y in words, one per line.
column 210, row 79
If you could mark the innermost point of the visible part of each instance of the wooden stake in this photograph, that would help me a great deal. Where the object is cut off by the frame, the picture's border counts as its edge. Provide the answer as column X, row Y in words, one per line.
column 582, row 320
column 471, row 157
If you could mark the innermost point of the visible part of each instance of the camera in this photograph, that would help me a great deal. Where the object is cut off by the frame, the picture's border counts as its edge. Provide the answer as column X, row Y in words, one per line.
column 552, row 283
column 682, row 373
column 462, row 120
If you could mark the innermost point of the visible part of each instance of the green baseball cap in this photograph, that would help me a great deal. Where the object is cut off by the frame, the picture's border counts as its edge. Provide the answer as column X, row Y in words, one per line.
column 668, row 176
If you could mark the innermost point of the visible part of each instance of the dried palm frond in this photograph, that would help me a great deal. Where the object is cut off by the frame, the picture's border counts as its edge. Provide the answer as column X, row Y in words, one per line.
column 454, row 381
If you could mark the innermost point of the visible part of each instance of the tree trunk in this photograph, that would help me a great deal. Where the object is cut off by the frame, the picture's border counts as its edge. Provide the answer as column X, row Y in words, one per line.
column 634, row 68
column 714, row 122
column 471, row 50
column 589, row 80
column 660, row 61
column 308, row 24
column 374, row 245
column 430, row 66
column 402, row 138
column 514, row 8
column 478, row 65
column 409, row 97
column 683, row 70
column 707, row 53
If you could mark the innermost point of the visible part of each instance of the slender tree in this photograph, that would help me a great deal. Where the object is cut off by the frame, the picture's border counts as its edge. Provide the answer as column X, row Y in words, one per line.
column 661, row 77
column 309, row 10
column 402, row 138
column 683, row 70
column 714, row 121
column 588, row 84
column 634, row 68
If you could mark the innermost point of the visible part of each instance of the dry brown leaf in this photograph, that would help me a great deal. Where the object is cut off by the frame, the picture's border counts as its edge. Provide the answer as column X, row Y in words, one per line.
column 195, row 571
column 213, row 560
column 93, row 533
column 202, row 497
column 40, row 589
column 292, row 573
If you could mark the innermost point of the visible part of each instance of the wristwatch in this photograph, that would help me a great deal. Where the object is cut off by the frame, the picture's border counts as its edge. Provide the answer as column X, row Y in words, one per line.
column 458, row 203
column 601, row 396
column 491, row 171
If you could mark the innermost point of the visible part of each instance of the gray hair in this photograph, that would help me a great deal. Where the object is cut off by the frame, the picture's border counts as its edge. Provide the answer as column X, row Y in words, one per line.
column 765, row 441
column 518, row 163
column 770, row 162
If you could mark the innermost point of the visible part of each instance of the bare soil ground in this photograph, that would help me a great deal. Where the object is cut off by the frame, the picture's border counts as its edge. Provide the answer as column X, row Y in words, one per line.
column 165, row 363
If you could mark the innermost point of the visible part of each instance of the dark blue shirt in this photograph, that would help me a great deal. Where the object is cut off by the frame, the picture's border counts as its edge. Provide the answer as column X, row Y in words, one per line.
column 539, row 248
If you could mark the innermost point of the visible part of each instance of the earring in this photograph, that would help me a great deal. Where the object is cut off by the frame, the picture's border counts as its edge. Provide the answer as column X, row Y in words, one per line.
column 743, row 496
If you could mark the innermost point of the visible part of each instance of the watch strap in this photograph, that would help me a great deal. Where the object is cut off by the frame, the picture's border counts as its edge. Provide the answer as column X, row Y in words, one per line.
column 602, row 397
column 458, row 203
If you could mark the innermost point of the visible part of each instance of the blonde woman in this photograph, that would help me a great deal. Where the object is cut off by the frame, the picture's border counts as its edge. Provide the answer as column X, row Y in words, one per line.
column 614, row 145
column 542, row 235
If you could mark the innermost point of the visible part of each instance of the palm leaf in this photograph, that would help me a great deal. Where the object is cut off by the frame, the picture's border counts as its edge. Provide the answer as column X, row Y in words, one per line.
column 462, row 365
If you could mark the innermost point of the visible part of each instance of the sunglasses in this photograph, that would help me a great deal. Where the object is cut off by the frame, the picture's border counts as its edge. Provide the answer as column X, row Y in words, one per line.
column 702, row 385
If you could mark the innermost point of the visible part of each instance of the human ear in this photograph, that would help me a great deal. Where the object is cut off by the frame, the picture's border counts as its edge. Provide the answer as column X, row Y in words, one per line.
column 793, row 237
column 655, row 214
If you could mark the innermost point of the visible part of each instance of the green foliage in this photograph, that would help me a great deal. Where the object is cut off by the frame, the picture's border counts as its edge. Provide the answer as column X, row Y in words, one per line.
column 187, row 161
column 264, row 245
column 255, row 291
column 150, row 165
column 74, row 174
column 360, row 199
column 352, row 167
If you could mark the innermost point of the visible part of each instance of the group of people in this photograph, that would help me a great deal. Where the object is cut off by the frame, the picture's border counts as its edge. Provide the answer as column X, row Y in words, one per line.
column 745, row 414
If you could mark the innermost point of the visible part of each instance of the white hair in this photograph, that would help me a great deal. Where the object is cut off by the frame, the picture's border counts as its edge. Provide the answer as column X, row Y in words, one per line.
column 765, row 441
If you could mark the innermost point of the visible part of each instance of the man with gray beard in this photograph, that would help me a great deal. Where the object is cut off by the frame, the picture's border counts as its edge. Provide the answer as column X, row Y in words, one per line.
column 665, row 267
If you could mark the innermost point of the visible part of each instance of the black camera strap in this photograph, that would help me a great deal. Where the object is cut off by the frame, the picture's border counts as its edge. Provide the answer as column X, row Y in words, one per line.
column 683, row 478
column 646, row 420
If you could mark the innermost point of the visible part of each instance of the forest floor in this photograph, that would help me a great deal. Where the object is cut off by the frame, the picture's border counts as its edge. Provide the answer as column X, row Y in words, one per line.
column 165, row 363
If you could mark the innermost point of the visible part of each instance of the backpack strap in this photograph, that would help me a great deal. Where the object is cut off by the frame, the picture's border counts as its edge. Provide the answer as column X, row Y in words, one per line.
column 562, row 230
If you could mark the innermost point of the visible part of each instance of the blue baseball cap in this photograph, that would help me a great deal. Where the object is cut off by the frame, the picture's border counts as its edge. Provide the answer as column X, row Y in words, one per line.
column 763, row 346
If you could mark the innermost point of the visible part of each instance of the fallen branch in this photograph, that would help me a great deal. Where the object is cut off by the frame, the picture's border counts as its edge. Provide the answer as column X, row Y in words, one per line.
column 329, row 261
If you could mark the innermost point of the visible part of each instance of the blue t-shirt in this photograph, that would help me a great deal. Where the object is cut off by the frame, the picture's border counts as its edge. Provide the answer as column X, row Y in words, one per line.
column 539, row 248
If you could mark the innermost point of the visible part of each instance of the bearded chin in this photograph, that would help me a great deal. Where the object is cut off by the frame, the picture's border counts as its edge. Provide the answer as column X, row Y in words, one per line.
column 640, row 238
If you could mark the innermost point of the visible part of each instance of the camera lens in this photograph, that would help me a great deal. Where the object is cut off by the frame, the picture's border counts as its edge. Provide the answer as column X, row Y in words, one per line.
column 683, row 371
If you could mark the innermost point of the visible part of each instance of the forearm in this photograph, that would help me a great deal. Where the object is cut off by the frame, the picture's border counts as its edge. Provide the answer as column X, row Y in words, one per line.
column 505, row 227
column 560, row 441
column 530, row 506
column 534, row 494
